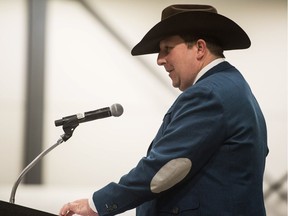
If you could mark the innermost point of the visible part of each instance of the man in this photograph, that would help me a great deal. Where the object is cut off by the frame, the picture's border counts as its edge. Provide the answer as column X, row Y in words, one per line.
column 208, row 156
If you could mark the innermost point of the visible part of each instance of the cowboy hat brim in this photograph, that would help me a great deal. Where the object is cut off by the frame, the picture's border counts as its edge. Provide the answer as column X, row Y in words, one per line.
column 226, row 32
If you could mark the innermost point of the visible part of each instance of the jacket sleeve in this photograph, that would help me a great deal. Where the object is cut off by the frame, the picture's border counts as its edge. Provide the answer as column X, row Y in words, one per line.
column 191, row 132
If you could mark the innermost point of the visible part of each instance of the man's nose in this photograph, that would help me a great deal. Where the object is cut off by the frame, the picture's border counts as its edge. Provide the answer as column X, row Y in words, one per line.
column 161, row 60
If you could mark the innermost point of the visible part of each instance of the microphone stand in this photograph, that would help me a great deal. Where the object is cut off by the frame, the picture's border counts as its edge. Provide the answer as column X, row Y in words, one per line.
column 68, row 127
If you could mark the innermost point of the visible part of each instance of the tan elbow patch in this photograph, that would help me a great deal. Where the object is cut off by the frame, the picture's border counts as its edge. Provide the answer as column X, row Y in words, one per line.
column 170, row 174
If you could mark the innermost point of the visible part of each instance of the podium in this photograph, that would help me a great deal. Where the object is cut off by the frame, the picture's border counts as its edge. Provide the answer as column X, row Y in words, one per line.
column 10, row 209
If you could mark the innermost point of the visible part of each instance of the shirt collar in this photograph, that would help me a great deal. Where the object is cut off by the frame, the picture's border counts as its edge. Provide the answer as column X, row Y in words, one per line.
column 208, row 67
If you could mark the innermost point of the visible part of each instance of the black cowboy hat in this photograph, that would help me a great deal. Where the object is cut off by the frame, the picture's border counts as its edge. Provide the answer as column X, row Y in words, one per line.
column 200, row 20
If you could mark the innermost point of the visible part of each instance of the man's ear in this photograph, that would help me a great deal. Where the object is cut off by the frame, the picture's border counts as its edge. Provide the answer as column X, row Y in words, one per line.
column 201, row 48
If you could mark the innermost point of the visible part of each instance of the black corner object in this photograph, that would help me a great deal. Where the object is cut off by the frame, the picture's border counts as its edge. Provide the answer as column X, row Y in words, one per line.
column 10, row 209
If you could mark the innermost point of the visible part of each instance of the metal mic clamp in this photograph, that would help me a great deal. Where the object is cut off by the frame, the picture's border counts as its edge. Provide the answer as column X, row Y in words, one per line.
column 69, row 127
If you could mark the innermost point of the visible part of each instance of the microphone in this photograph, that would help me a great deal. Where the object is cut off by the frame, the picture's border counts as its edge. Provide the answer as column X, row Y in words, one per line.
column 115, row 110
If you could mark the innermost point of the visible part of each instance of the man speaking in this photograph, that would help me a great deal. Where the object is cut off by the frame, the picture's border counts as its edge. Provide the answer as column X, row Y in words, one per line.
column 208, row 156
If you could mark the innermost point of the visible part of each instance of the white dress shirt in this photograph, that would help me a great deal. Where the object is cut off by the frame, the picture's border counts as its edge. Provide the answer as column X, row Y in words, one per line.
column 208, row 67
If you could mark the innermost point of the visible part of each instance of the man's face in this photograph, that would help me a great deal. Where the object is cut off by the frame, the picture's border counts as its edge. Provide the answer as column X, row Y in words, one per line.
column 179, row 60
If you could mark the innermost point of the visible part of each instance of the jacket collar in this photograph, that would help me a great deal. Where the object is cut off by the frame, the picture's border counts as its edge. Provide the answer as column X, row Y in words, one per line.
column 218, row 68
column 208, row 67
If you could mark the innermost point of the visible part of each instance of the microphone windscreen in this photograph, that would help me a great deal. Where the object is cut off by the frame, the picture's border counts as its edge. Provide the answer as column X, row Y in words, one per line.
column 116, row 110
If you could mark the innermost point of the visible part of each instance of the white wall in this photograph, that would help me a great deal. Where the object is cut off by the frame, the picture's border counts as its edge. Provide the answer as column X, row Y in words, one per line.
column 12, row 86
column 87, row 69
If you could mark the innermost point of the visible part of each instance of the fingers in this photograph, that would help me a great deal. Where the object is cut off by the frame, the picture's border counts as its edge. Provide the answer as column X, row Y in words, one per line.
column 70, row 209
column 66, row 210
column 80, row 207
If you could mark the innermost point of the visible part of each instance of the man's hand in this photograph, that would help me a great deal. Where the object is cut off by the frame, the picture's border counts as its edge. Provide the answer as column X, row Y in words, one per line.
column 79, row 207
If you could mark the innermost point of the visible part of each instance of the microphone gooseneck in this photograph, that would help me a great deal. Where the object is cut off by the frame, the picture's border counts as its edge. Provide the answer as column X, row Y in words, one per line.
column 27, row 168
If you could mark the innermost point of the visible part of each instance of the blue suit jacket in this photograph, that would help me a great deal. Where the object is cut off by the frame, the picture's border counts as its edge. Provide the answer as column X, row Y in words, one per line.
column 217, row 127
